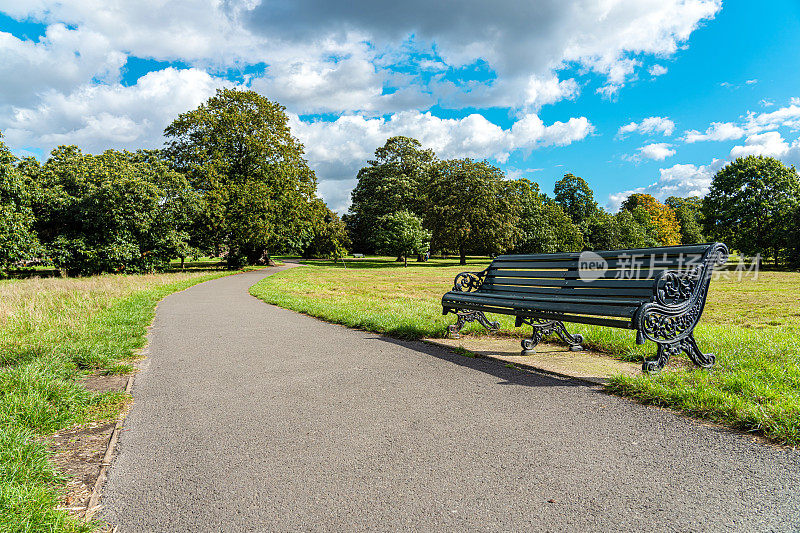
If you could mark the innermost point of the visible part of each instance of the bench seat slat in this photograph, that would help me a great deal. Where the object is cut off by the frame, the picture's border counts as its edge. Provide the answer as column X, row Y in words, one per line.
column 578, row 300
column 669, row 250
column 589, row 292
column 541, row 282
column 457, row 299
column 644, row 263
column 531, row 286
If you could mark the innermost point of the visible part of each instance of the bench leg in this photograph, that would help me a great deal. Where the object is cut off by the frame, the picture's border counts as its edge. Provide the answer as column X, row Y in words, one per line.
column 667, row 349
column 465, row 316
column 548, row 327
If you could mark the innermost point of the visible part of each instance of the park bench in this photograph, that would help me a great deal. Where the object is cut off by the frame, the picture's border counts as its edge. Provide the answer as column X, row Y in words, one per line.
column 659, row 292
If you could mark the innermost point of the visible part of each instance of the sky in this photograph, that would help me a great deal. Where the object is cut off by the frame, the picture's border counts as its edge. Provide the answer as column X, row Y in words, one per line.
column 648, row 96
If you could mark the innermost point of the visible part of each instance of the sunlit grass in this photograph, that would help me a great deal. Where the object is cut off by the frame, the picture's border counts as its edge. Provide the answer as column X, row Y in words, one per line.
column 751, row 325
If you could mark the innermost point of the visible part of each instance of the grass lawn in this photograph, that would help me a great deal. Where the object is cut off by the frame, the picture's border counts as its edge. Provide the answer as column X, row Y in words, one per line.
column 751, row 325
column 53, row 332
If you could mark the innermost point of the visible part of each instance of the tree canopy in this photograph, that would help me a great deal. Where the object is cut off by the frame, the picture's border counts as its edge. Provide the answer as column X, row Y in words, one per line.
column 401, row 234
column 751, row 206
column 113, row 212
column 470, row 208
column 391, row 182
column 576, row 198
column 667, row 229
column 257, row 189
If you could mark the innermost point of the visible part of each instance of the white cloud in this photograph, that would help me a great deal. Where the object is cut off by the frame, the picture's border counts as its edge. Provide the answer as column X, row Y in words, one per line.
column 717, row 131
column 788, row 116
column 315, row 41
column 97, row 117
column 680, row 180
column 769, row 144
column 657, row 70
column 647, row 126
column 657, row 151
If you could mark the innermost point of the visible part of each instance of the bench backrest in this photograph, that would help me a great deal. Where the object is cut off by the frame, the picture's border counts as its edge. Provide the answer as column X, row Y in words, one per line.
column 629, row 275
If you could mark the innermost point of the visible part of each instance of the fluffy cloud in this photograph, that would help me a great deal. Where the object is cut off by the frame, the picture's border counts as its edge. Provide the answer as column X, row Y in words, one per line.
column 788, row 116
column 657, row 70
column 338, row 149
column 717, row 131
column 678, row 180
column 97, row 117
column 657, row 151
column 769, row 144
column 319, row 41
column 647, row 126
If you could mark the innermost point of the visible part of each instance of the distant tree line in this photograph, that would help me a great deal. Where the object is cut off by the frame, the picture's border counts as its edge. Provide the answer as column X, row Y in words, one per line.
column 464, row 207
column 231, row 181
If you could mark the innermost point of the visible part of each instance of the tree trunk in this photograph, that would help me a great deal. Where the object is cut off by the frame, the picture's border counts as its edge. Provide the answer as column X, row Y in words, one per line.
column 419, row 258
column 462, row 256
column 405, row 261
column 183, row 259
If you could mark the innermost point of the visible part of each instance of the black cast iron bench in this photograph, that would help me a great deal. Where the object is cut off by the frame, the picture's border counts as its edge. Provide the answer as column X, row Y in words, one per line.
column 659, row 292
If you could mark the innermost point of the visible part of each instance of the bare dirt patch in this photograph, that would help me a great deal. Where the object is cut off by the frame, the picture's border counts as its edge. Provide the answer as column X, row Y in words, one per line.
column 78, row 452
column 77, row 455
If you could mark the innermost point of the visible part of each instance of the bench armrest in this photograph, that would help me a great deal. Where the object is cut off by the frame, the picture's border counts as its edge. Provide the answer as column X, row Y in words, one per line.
column 469, row 281
column 679, row 299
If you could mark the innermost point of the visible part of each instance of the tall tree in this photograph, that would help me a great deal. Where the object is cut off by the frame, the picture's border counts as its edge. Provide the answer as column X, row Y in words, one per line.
column 576, row 198
column 389, row 183
column 750, row 205
column 17, row 238
column 688, row 214
column 470, row 208
column 257, row 188
column 663, row 218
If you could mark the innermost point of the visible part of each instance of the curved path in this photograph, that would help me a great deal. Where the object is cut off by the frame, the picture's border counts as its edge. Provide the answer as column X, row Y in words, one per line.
column 248, row 417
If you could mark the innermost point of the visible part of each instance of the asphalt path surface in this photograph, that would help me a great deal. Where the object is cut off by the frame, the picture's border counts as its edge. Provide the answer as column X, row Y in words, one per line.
column 248, row 417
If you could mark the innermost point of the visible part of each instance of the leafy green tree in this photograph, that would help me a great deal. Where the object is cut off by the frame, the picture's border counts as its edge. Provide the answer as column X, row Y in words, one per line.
column 401, row 234
column 543, row 226
column 470, row 208
column 620, row 231
column 662, row 217
column 576, row 198
column 114, row 212
column 389, row 183
column 329, row 236
column 257, row 189
column 17, row 238
column 750, row 206
column 688, row 213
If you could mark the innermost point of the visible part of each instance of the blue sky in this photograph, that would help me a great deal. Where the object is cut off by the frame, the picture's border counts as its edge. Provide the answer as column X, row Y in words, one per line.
column 633, row 95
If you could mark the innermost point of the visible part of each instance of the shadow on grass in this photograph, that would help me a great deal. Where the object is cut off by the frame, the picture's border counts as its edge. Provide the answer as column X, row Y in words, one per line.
column 509, row 375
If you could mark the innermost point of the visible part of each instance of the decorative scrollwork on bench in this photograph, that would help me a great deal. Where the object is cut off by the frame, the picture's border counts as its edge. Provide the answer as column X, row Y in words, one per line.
column 465, row 316
column 542, row 327
column 674, row 286
column 680, row 297
column 468, row 281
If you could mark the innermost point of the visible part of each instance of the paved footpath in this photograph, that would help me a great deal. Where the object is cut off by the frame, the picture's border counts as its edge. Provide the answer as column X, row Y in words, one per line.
column 248, row 417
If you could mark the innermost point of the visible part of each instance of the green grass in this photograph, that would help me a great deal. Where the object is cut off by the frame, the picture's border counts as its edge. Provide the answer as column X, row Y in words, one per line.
column 53, row 332
column 752, row 326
